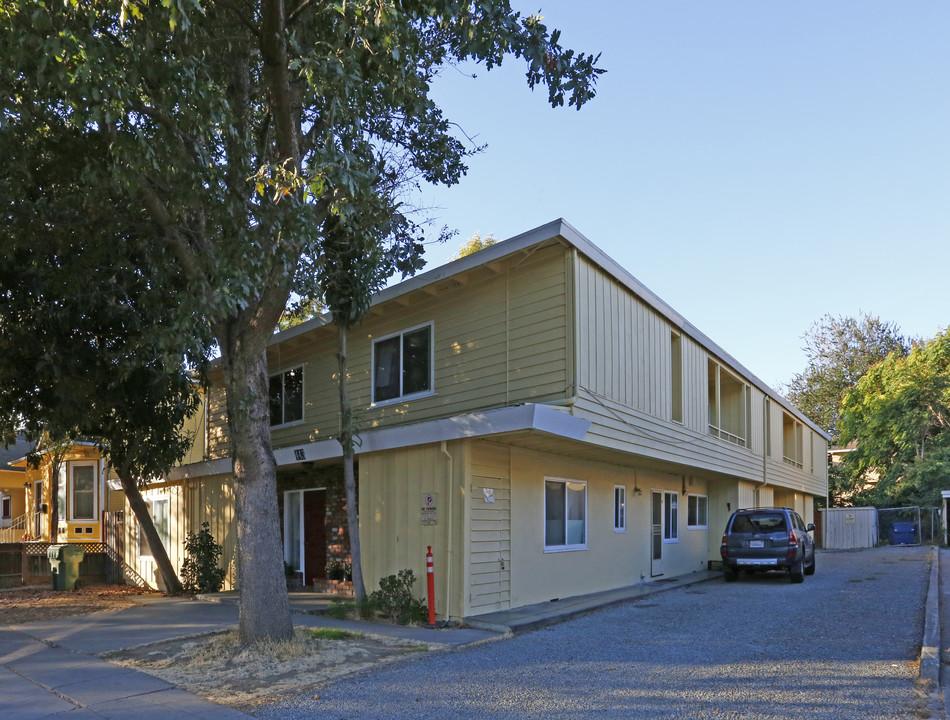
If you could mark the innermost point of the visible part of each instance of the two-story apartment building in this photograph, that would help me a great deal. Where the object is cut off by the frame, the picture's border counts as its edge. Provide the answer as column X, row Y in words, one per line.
column 532, row 412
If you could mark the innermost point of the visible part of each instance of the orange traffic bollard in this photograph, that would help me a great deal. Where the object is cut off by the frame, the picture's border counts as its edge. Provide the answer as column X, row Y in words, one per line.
column 430, row 585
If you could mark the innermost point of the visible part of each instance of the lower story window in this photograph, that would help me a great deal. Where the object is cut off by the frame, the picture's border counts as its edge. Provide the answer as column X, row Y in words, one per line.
column 671, row 516
column 158, row 509
column 620, row 508
column 697, row 511
column 565, row 514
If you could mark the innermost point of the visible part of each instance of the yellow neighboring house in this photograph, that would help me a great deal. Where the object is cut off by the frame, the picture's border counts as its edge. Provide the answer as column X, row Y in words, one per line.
column 13, row 492
column 532, row 412
column 83, row 494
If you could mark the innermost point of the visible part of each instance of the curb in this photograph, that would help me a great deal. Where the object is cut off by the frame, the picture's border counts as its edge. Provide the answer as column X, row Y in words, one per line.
column 930, row 644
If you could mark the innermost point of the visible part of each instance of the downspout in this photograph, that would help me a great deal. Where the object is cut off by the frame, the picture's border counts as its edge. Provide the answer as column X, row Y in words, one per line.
column 449, row 545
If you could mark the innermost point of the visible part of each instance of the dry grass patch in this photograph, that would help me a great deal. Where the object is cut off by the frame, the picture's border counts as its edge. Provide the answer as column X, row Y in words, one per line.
column 19, row 606
column 220, row 669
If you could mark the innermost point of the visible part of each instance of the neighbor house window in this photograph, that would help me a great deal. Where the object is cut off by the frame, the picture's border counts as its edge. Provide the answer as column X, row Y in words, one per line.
column 697, row 511
column 402, row 365
column 671, row 515
column 565, row 514
column 82, row 490
column 158, row 509
column 286, row 397
column 620, row 508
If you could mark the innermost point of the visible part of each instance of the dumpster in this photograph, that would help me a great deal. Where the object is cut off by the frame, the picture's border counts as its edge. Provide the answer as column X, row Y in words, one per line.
column 64, row 561
column 905, row 533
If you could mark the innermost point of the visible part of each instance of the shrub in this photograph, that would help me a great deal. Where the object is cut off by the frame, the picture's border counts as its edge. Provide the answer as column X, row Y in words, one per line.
column 394, row 599
column 335, row 570
column 200, row 572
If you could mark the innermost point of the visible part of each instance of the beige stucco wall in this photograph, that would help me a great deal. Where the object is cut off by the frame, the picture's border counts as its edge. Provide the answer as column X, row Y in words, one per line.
column 393, row 535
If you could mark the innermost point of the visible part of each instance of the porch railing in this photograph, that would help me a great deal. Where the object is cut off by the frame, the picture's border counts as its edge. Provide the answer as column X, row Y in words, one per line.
column 18, row 527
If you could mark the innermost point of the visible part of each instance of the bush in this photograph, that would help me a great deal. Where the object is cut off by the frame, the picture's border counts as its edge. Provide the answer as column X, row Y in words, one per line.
column 394, row 599
column 335, row 570
column 200, row 572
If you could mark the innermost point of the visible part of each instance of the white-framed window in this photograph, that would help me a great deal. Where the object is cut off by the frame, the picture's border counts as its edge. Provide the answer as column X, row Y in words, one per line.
column 158, row 509
column 730, row 405
column 676, row 377
column 697, row 512
column 6, row 507
column 620, row 508
column 81, row 490
column 402, row 365
column 286, row 397
column 671, row 515
column 565, row 515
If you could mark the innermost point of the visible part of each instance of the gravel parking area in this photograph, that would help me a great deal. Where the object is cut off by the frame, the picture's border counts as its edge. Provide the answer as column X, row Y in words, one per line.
column 842, row 645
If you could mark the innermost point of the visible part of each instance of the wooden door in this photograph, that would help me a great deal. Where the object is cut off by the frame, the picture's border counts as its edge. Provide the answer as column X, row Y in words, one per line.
column 315, row 536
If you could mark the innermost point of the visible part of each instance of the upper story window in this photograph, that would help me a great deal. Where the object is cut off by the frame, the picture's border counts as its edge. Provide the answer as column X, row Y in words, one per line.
column 6, row 505
column 402, row 365
column 286, row 397
column 676, row 377
column 791, row 441
column 729, row 406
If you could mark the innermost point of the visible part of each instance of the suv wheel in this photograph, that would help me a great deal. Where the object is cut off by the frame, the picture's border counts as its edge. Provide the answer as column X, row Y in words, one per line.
column 797, row 572
column 810, row 570
column 730, row 573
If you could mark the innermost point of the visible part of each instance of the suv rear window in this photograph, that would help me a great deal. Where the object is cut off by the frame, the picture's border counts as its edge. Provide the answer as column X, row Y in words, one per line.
column 759, row 522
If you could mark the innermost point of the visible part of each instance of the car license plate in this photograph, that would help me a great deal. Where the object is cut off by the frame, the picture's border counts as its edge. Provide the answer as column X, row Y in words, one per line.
column 756, row 543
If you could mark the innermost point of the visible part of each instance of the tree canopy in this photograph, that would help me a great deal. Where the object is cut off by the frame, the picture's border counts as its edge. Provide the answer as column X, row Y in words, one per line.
column 232, row 137
column 839, row 350
column 474, row 244
column 898, row 416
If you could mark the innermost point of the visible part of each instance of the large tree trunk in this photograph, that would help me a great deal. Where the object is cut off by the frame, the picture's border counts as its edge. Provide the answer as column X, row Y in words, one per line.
column 264, row 610
column 140, row 510
column 349, row 476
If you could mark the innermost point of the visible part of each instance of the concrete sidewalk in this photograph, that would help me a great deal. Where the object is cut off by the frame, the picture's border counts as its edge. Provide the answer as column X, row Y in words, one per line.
column 50, row 669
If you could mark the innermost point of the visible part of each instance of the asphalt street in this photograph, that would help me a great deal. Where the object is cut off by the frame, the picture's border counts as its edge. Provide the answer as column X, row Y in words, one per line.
column 844, row 644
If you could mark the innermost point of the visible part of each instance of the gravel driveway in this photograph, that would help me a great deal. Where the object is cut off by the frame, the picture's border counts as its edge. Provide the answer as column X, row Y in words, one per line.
column 842, row 645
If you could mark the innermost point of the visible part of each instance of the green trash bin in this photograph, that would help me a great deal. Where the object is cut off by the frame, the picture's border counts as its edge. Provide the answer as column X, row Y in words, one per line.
column 64, row 562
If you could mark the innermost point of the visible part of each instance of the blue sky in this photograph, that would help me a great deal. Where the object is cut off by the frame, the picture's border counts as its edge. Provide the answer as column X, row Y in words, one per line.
column 755, row 164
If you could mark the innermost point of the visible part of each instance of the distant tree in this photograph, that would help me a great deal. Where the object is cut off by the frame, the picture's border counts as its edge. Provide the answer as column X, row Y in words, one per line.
column 299, row 310
column 898, row 414
column 473, row 245
column 840, row 350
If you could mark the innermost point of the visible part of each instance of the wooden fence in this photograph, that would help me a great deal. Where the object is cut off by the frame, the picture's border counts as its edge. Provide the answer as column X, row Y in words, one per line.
column 28, row 564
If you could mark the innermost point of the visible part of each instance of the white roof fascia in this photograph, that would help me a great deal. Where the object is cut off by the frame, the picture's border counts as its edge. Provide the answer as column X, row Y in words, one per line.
column 531, row 417
column 520, row 418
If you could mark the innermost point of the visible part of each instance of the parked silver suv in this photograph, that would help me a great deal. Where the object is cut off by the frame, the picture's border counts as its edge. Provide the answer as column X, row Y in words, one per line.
column 758, row 539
